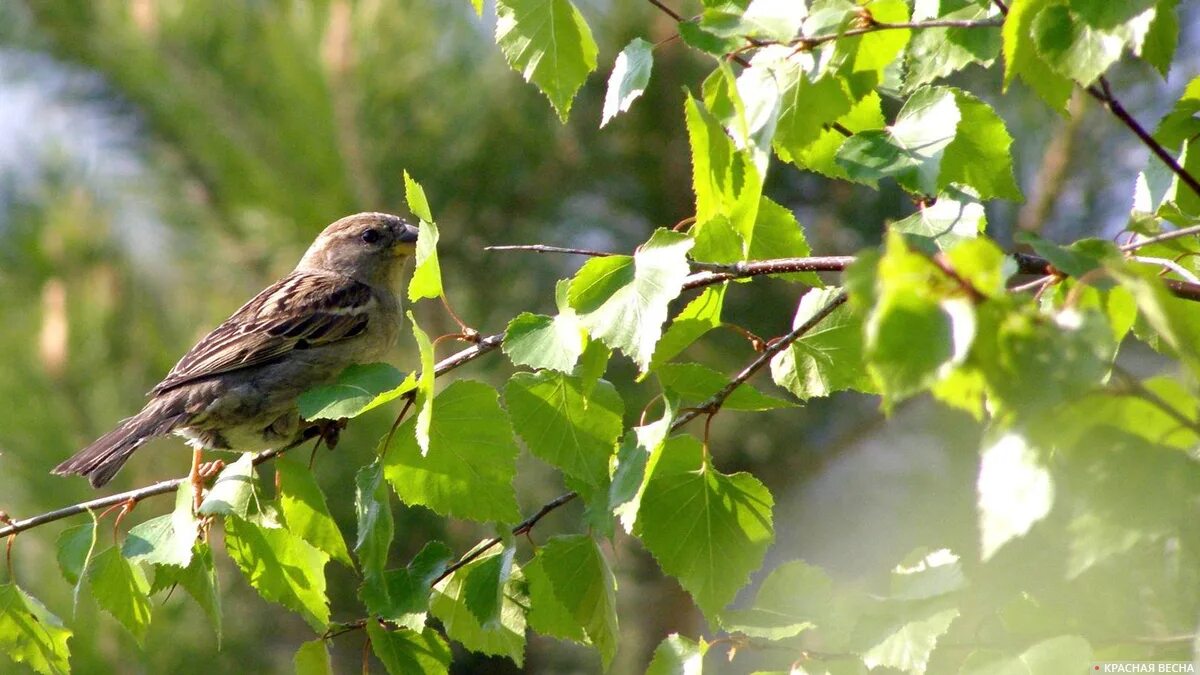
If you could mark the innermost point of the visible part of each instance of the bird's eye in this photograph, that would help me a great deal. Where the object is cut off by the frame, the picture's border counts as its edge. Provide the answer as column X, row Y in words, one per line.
column 370, row 236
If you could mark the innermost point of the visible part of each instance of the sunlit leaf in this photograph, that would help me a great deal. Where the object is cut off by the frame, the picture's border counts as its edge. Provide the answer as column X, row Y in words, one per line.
column 121, row 589
column 705, row 528
column 165, row 540
column 30, row 634
column 622, row 300
column 358, row 389
column 409, row 652
column 559, row 423
column 630, row 75
column 305, row 511
column 469, row 469
column 281, row 566
column 550, row 44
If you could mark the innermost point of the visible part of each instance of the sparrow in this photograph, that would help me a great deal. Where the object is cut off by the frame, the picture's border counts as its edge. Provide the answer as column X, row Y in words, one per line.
column 236, row 389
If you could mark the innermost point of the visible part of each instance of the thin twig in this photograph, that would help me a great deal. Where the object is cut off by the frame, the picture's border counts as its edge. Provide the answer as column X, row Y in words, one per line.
column 1166, row 236
column 1166, row 264
column 1102, row 92
column 541, row 248
column 1136, row 388
column 715, row 401
column 667, row 10
column 809, row 42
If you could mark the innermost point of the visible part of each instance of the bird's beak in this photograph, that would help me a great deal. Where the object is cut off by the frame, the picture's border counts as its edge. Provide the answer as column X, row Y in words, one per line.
column 406, row 238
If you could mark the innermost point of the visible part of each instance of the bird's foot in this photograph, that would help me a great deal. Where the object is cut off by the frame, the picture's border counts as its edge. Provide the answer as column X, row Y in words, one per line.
column 211, row 469
column 330, row 431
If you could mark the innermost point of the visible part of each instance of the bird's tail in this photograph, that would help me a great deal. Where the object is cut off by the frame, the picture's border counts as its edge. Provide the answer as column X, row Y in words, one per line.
column 101, row 460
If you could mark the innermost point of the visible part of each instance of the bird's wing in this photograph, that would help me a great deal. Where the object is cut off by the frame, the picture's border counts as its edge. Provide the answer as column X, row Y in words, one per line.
column 300, row 311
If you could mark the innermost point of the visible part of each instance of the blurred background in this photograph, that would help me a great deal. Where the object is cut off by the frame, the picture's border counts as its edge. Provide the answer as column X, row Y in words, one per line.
column 162, row 160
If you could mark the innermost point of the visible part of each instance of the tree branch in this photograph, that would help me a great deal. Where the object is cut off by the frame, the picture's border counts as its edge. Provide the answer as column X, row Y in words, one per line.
column 875, row 26
column 714, row 402
column 1166, row 236
column 1102, row 92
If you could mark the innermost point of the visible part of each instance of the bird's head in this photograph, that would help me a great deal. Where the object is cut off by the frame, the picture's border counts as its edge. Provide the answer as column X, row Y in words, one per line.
column 368, row 247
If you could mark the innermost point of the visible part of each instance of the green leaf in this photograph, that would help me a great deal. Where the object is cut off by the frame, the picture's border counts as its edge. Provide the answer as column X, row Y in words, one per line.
column 1062, row 654
column 979, row 154
column 1021, row 56
column 165, row 540
column 305, row 511
column 1080, row 49
column 1077, row 259
column 810, row 100
column 469, row 469
column 677, row 655
column 1122, row 492
column 726, row 180
column 483, row 587
column 821, row 155
column 1032, row 362
column 359, row 388
column 74, row 551
column 622, row 300
column 426, row 280
column 30, row 634
column 547, row 614
column 698, row 382
column 540, row 341
column 777, row 234
column 955, row 216
column 313, row 658
column 630, row 75
column 592, row 364
column 829, row 357
column 794, row 598
column 424, row 400
column 935, row 53
column 232, row 492
column 923, row 575
column 402, row 595
column 700, row 315
column 550, row 44
column 418, row 203
column 409, row 652
column 1158, row 47
column 199, row 579
column 942, row 136
column 506, row 637
column 120, row 588
column 584, row 585
column 904, row 639
column 281, row 566
column 562, row 425
column 983, row 265
column 1173, row 319
column 1015, row 491
column 636, row 460
column 774, row 20
column 876, row 50
column 705, row 528
column 911, row 149
column 373, row 512
column 911, row 332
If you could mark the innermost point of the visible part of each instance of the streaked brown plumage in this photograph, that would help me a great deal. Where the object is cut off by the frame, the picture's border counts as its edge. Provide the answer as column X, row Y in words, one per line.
column 237, row 388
